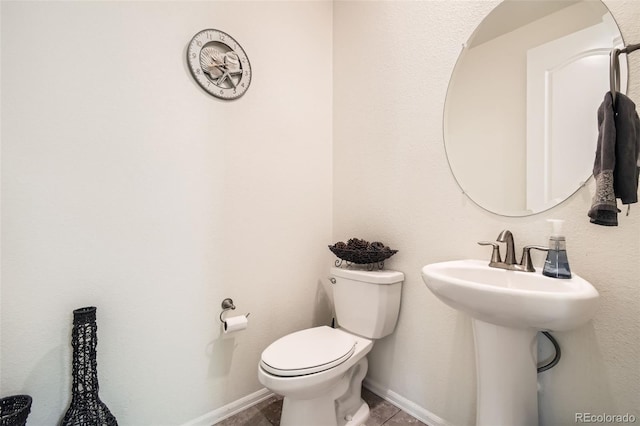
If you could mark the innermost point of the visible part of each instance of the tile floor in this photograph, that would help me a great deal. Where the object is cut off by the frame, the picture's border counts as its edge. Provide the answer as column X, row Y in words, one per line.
column 267, row 413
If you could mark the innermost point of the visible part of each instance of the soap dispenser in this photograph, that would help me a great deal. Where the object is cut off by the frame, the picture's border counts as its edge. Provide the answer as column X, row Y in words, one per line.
column 557, row 263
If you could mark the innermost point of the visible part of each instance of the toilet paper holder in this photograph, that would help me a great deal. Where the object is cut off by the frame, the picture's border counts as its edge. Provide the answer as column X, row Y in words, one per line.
column 227, row 304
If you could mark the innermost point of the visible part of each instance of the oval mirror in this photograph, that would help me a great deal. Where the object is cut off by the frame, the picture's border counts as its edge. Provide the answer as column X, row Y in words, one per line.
column 520, row 123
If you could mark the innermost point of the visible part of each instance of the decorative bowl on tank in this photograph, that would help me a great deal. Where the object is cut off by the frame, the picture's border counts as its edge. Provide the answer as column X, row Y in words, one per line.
column 361, row 251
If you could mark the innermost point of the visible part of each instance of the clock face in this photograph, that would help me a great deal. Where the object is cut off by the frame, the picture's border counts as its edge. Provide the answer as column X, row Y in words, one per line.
column 219, row 64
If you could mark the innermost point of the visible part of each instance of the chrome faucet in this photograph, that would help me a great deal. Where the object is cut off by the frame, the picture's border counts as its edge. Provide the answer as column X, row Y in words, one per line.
column 510, row 258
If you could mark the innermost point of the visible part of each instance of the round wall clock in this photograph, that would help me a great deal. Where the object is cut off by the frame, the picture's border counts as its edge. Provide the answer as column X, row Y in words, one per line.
column 219, row 64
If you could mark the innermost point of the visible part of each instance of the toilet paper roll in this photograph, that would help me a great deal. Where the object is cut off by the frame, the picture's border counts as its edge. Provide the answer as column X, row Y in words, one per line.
column 232, row 324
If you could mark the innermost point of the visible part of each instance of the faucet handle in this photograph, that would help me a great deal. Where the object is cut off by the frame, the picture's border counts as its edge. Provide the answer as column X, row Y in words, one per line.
column 526, row 263
column 495, row 254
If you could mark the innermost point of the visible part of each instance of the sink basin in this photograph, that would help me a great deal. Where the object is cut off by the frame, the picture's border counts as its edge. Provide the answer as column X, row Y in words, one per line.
column 508, row 308
column 512, row 298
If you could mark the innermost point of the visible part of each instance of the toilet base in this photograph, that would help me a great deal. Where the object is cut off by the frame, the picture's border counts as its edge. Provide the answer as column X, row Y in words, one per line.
column 313, row 412
column 341, row 406
column 320, row 413
column 360, row 416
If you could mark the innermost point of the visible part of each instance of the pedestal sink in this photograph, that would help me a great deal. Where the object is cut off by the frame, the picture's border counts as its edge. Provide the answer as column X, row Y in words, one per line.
column 508, row 309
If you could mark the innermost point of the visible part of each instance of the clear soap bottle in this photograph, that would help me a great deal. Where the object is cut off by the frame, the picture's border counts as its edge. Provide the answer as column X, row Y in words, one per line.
column 557, row 263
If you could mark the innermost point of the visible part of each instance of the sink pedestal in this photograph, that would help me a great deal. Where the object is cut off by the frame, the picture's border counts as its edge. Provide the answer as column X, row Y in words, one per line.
column 506, row 364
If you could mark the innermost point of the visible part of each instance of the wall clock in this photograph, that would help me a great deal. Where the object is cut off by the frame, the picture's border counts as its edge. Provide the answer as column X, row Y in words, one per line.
column 219, row 64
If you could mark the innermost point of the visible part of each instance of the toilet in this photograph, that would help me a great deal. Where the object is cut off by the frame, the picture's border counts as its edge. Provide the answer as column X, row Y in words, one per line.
column 319, row 371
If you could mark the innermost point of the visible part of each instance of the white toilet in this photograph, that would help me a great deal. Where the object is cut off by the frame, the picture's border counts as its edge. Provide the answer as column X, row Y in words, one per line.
column 319, row 371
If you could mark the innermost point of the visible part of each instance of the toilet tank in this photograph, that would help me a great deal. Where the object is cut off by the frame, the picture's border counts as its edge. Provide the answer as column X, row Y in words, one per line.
column 367, row 302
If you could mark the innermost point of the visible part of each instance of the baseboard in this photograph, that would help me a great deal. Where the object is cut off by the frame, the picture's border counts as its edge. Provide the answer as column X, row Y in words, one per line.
column 394, row 398
column 230, row 409
column 410, row 407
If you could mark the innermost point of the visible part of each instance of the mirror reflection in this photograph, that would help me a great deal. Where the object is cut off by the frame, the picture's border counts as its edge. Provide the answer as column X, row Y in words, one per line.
column 520, row 122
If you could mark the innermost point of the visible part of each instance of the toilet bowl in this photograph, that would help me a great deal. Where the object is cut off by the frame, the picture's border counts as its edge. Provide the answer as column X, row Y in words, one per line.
column 337, row 362
column 319, row 371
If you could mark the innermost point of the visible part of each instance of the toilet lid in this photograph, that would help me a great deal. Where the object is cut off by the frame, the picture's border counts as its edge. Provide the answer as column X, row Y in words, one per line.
column 308, row 351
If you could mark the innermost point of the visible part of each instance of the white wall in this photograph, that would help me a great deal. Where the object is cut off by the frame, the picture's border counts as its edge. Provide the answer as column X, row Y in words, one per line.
column 127, row 187
column 392, row 63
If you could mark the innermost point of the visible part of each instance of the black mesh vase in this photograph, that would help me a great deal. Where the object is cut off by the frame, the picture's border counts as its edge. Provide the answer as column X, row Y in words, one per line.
column 86, row 409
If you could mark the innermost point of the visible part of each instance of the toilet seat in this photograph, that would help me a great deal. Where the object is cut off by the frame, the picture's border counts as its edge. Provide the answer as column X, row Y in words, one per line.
column 307, row 352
